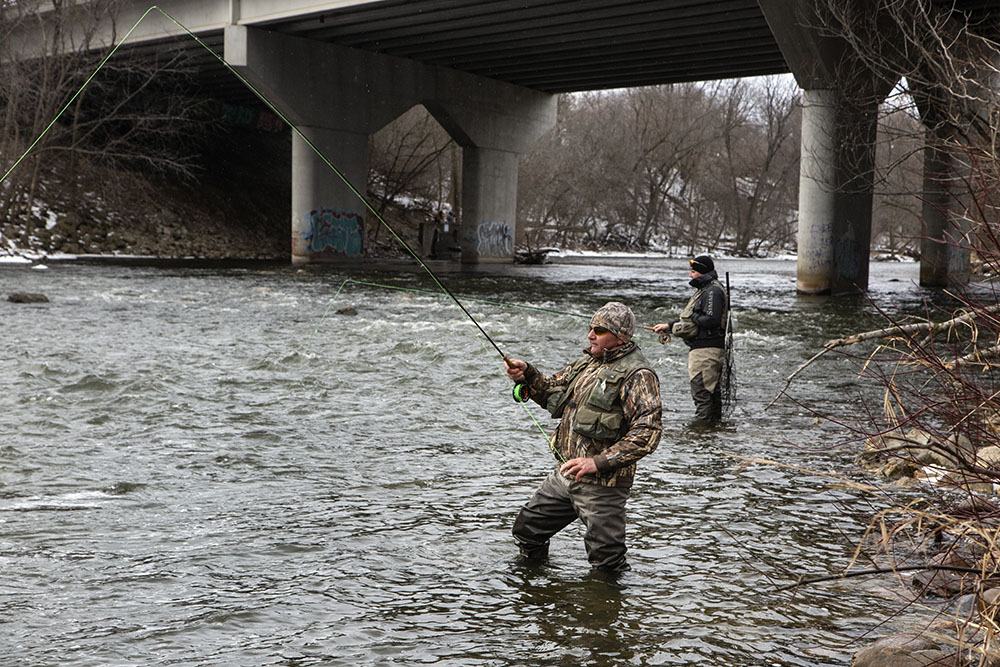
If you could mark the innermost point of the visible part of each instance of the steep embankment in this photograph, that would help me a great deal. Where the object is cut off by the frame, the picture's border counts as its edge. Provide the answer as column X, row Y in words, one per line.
column 234, row 206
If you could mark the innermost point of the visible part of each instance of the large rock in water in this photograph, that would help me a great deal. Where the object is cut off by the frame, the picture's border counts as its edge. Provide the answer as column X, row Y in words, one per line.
column 27, row 297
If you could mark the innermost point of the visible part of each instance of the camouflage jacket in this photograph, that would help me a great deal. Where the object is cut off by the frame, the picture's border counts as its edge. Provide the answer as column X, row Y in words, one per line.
column 638, row 400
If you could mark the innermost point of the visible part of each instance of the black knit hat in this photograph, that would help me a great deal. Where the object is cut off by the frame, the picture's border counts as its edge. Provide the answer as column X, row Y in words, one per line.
column 703, row 264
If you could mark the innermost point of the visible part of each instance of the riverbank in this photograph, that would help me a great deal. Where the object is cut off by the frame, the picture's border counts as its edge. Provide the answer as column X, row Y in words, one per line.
column 232, row 203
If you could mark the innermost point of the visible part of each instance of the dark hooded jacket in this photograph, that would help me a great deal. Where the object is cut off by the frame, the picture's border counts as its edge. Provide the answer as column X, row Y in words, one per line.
column 702, row 323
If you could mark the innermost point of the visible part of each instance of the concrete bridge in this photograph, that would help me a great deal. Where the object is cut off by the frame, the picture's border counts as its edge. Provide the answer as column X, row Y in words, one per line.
column 489, row 70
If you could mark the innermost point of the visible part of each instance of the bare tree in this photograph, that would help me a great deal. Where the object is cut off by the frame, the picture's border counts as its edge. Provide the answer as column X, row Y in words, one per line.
column 899, row 163
column 757, row 171
column 946, row 61
column 70, row 121
column 555, row 179
column 664, row 128
column 665, row 166
column 612, row 172
column 409, row 155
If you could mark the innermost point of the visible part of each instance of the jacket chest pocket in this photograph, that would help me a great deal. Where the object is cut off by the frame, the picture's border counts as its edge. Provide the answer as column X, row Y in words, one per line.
column 604, row 426
column 605, row 390
column 599, row 417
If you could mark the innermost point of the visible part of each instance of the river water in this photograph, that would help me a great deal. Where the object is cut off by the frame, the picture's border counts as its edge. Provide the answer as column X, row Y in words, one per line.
column 209, row 465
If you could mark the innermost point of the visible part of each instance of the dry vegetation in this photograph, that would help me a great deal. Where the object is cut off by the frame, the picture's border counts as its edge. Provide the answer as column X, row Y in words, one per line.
column 935, row 425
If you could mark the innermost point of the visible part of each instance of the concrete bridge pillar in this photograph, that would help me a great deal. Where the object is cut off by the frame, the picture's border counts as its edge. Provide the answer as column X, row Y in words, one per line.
column 327, row 216
column 949, row 111
column 494, row 123
column 489, row 204
column 840, row 99
column 944, row 247
column 835, row 194
column 326, row 99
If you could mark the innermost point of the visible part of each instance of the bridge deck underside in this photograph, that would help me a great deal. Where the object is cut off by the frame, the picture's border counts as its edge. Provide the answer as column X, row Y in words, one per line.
column 562, row 45
column 552, row 46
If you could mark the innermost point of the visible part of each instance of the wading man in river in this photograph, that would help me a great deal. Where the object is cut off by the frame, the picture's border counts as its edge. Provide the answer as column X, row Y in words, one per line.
column 702, row 326
column 608, row 403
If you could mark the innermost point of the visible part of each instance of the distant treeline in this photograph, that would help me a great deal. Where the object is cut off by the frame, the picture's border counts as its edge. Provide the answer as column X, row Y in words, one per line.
column 693, row 166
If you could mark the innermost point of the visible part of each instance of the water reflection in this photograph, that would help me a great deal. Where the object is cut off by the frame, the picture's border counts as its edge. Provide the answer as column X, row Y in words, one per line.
column 576, row 621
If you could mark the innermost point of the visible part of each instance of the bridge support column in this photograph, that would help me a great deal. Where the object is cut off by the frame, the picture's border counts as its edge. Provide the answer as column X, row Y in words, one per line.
column 840, row 99
column 489, row 205
column 494, row 123
column 328, row 218
column 944, row 248
column 948, row 198
column 336, row 98
column 835, row 194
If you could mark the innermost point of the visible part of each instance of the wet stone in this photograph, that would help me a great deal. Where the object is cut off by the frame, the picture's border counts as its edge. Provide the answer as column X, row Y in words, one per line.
column 27, row 297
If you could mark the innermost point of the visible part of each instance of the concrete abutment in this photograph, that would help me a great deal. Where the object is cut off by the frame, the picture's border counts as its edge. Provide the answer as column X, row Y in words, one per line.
column 336, row 97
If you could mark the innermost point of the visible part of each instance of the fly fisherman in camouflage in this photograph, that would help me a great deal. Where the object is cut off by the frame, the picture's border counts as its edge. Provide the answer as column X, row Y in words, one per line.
column 702, row 325
column 609, row 405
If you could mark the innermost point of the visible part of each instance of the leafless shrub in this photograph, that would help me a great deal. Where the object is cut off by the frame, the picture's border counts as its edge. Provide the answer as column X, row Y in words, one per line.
column 937, row 411
column 66, row 116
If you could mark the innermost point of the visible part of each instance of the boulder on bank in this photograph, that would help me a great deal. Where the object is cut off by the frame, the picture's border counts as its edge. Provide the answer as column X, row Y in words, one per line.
column 891, row 455
column 916, row 453
column 989, row 457
column 27, row 297
column 902, row 650
column 945, row 583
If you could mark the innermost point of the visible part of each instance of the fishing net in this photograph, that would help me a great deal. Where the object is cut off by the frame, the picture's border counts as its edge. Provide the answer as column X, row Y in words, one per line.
column 728, row 379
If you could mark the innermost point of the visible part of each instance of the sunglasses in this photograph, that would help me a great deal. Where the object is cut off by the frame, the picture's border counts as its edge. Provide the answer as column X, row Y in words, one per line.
column 600, row 331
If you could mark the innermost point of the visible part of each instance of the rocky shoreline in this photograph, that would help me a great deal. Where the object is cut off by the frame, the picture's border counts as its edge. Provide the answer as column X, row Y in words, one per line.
column 178, row 231
column 949, row 545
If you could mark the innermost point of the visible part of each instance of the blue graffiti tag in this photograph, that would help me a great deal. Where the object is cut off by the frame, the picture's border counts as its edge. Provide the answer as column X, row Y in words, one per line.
column 334, row 232
column 495, row 239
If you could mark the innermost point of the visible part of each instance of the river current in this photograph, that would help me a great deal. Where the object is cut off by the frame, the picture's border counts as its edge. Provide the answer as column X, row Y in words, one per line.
column 212, row 465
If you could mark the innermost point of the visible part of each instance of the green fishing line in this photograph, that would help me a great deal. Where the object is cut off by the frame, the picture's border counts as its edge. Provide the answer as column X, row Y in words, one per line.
column 340, row 175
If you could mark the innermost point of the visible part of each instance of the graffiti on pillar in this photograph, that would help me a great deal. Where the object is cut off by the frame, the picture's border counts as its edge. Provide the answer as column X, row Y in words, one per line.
column 494, row 239
column 330, row 231
column 816, row 256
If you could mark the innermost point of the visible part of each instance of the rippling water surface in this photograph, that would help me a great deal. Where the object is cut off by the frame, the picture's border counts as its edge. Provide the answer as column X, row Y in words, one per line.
column 211, row 465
